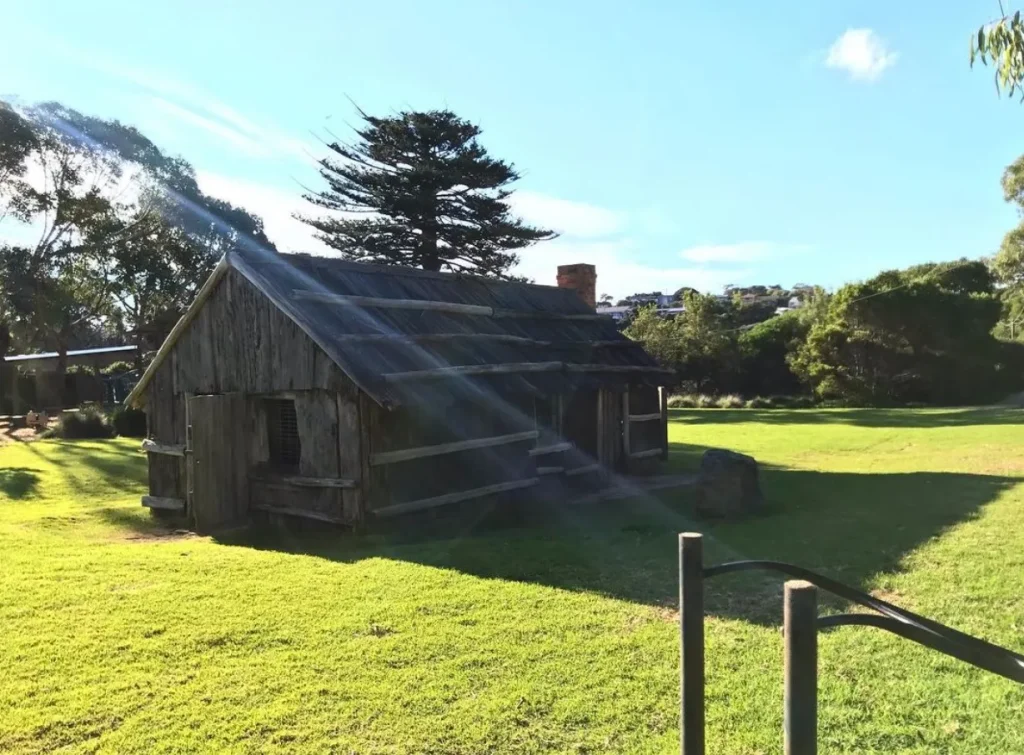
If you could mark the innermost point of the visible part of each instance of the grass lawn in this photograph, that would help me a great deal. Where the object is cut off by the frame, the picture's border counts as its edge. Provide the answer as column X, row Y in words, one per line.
column 118, row 635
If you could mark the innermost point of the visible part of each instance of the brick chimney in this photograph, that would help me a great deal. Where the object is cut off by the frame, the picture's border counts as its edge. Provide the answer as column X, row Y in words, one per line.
column 582, row 279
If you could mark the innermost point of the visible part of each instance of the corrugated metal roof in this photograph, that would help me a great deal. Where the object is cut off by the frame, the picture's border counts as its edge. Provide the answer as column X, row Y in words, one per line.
column 72, row 353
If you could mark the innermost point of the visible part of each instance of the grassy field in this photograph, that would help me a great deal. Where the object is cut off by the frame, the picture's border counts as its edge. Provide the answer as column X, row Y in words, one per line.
column 118, row 635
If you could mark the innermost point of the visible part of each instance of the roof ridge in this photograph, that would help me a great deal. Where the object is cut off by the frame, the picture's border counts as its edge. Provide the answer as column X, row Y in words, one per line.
column 400, row 270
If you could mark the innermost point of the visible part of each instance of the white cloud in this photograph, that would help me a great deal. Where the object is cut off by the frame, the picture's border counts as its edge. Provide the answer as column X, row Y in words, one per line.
column 576, row 219
column 617, row 273
column 275, row 206
column 861, row 53
column 232, row 136
column 743, row 251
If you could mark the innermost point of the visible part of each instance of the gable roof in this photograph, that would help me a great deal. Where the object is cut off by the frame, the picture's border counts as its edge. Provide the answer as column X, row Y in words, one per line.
column 401, row 332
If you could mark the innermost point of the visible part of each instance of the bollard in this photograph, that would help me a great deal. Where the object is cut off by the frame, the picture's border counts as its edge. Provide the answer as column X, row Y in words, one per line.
column 691, row 630
column 801, row 696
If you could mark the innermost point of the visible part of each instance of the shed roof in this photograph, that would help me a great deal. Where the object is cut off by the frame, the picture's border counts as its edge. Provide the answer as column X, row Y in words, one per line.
column 401, row 333
column 47, row 355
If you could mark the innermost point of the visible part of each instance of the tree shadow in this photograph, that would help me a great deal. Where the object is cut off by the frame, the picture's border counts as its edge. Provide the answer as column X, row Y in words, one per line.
column 894, row 418
column 19, row 482
column 117, row 468
column 144, row 524
column 851, row 527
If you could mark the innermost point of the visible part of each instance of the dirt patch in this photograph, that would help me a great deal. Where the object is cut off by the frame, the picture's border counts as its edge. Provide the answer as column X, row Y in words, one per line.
column 9, row 434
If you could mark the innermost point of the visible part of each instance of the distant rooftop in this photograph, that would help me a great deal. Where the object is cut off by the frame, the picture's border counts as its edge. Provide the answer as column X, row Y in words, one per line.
column 73, row 353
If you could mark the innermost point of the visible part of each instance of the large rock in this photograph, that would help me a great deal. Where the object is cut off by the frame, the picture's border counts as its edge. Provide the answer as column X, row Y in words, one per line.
column 728, row 484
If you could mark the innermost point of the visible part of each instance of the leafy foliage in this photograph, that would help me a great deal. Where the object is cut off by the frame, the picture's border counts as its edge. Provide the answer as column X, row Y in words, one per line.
column 126, row 234
column 916, row 335
column 84, row 423
column 128, row 422
column 424, row 193
column 1001, row 44
column 698, row 343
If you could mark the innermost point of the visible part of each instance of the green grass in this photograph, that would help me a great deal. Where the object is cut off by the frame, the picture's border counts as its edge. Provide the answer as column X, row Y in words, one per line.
column 118, row 634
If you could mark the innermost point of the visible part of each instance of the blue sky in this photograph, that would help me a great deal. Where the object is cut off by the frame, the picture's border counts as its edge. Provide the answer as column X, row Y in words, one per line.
column 672, row 143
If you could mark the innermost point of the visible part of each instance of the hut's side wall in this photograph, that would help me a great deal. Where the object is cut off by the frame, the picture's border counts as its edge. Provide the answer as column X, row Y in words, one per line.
column 239, row 342
column 435, row 424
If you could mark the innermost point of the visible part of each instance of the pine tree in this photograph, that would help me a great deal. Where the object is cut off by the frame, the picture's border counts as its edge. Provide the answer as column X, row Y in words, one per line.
column 424, row 193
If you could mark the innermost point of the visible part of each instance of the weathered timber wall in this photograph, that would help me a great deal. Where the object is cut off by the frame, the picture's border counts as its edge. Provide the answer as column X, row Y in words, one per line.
column 414, row 427
column 240, row 342
column 644, row 436
column 330, row 448
column 609, row 428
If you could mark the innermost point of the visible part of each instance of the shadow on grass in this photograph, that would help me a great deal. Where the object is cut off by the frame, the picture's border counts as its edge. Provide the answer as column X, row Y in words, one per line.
column 19, row 482
column 848, row 526
column 117, row 466
column 143, row 523
column 894, row 418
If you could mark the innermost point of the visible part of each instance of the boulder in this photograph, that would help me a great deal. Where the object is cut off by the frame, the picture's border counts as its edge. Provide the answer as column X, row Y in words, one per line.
column 728, row 484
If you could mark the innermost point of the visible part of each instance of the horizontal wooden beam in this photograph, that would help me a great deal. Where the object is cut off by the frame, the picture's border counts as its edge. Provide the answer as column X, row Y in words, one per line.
column 405, row 454
column 497, row 337
column 167, row 504
column 519, row 314
column 646, row 454
column 644, row 417
column 544, row 471
column 517, row 367
column 169, row 449
column 307, row 482
column 429, row 337
column 376, row 302
column 553, row 449
column 473, row 369
column 615, row 368
column 300, row 513
column 583, row 470
column 461, row 495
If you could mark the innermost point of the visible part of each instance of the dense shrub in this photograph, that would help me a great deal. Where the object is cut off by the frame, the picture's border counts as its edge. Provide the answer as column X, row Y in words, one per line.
column 731, row 401
column 703, row 401
column 681, row 402
column 117, row 368
column 130, row 423
column 85, row 423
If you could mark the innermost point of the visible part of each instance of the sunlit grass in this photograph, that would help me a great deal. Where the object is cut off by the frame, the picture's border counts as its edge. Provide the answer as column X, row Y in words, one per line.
column 119, row 635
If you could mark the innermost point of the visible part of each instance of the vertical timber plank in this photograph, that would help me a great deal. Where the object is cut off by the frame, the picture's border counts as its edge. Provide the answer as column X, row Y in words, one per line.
column 663, row 400
column 625, row 423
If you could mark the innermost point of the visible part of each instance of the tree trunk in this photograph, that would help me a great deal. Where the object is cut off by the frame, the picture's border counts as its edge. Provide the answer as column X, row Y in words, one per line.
column 62, row 368
column 5, row 383
column 429, row 257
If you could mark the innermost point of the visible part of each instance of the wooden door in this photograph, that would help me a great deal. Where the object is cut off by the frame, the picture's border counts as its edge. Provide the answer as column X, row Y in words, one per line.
column 218, row 461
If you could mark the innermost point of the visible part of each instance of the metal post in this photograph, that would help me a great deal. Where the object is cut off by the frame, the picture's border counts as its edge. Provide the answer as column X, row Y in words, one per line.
column 691, row 628
column 801, row 701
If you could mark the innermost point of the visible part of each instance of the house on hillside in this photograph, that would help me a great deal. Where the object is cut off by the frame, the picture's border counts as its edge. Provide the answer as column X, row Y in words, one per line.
column 314, row 387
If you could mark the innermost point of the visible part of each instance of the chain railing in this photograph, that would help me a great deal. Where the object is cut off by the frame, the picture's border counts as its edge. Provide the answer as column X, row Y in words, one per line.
column 801, row 624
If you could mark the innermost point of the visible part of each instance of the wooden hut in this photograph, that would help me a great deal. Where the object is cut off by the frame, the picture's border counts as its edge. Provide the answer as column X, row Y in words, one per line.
column 309, row 386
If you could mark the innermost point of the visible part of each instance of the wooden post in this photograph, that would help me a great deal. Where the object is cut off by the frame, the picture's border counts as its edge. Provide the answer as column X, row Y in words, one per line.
column 691, row 630
column 625, row 423
column 801, row 696
column 663, row 401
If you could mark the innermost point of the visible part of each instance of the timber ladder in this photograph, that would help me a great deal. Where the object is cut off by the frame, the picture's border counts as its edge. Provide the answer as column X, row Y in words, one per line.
column 801, row 624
